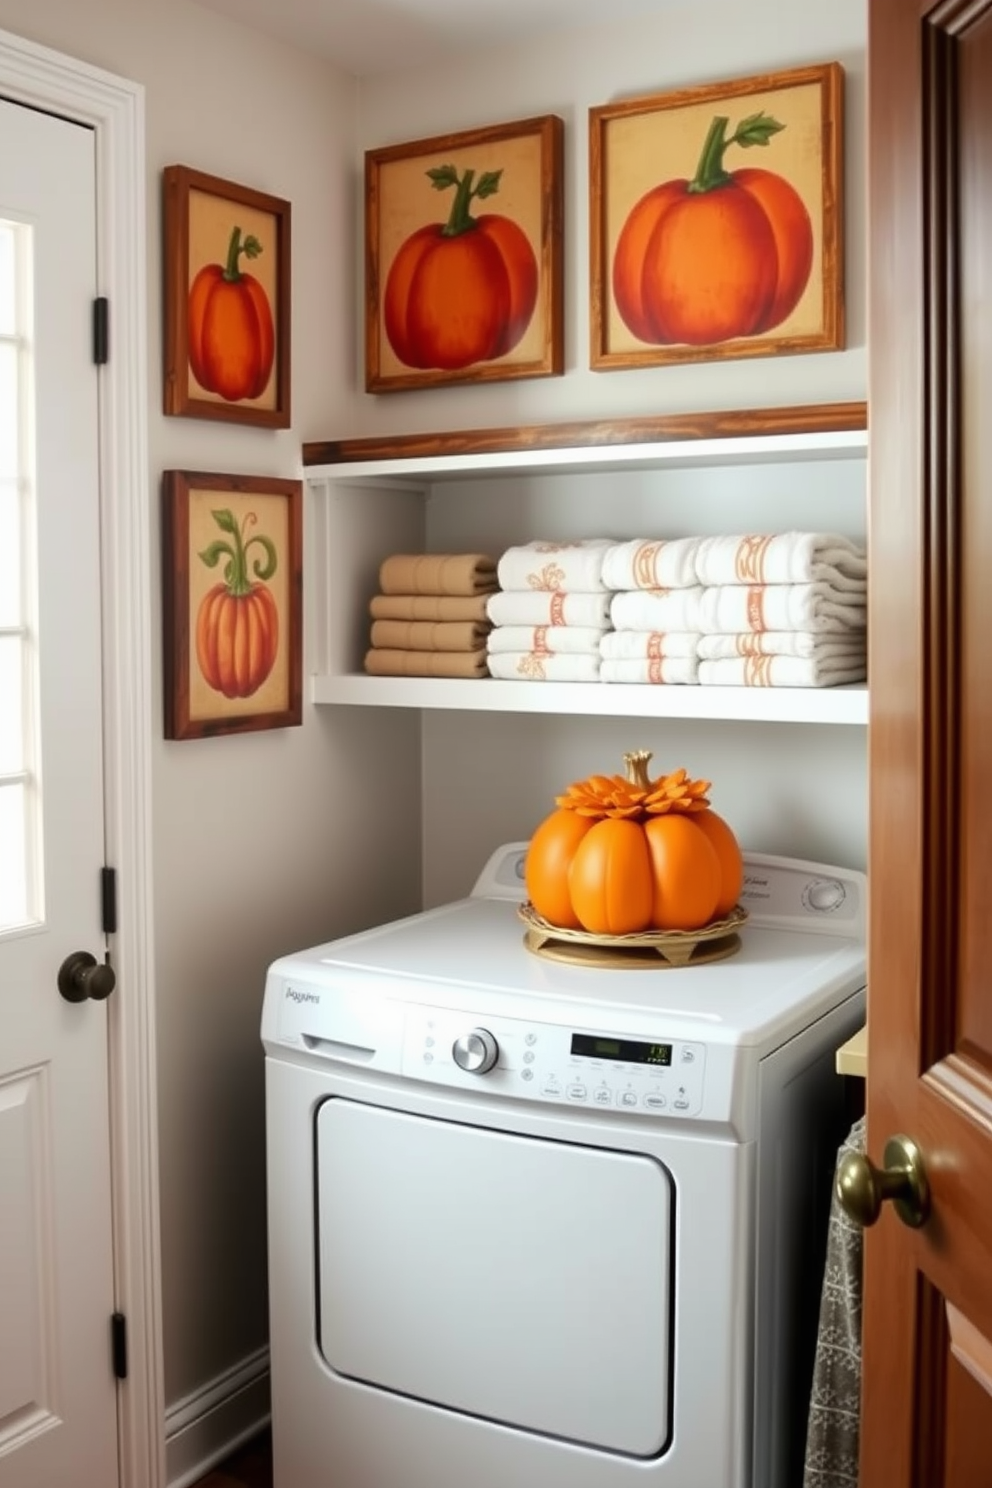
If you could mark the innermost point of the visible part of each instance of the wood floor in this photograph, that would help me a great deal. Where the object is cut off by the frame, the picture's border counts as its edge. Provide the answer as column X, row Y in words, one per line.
column 250, row 1467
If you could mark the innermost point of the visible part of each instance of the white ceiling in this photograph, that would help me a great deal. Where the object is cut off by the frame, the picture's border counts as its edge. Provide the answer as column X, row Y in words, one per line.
column 375, row 36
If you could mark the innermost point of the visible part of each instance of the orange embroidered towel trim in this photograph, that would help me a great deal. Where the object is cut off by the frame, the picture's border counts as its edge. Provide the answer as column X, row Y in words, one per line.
column 438, row 573
column 781, row 671
column 666, row 670
column 428, row 606
column 428, row 635
column 536, row 666
column 380, row 662
column 555, row 567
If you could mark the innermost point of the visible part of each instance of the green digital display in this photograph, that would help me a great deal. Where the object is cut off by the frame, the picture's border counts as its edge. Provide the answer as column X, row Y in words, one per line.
column 627, row 1051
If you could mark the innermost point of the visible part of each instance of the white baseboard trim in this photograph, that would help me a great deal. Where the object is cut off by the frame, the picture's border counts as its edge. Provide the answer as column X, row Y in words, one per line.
column 207, row 1426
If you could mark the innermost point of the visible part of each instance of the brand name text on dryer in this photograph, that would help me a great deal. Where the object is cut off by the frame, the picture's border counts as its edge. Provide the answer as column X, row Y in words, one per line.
column 292, row 995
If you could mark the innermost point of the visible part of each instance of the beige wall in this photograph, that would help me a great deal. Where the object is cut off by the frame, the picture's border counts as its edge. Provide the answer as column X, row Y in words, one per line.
column 261, row 842
column 684, row 43
column 764, row 778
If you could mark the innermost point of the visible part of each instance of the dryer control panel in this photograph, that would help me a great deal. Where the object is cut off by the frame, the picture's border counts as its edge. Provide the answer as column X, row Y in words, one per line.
column 652, row 1076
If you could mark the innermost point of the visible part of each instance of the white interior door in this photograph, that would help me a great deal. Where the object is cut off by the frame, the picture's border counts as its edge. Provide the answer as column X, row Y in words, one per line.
column 57, row 1389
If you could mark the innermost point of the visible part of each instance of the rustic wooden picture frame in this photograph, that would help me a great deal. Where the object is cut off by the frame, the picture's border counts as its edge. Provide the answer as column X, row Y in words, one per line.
column 232, row 592
column 446, row 307
column 720, row 264
column 227, row 285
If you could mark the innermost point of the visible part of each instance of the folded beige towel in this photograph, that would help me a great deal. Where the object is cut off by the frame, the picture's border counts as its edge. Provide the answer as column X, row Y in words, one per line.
column 780, row 671
column 831, row 643
column 565, row 566
column 662, row 669
column 782, row 558
column 547, row 639
column 437, row 573
column 429, row 635
column 428, row 606
column 385, row 663
column 644, row 563
column 519, row 608
column 534, row 666
column 729, row 609
column 641, row 645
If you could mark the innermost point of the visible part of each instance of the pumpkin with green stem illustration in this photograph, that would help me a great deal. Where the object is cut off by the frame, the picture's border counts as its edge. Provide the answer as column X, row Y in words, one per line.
column 726, row 254
column 231, row 334
column 464, row 290
column 237, row 625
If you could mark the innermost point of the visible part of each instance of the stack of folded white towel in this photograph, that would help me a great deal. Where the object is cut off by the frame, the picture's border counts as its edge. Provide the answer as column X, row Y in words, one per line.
column 550, row 613
column 780, row 610
column 650, row 578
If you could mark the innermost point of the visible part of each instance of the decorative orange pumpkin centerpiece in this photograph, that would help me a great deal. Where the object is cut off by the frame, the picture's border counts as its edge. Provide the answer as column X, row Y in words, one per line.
column 623, row 855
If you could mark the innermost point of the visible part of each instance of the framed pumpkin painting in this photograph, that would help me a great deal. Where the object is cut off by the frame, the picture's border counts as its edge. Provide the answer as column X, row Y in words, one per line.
column 232, row 590
column 227, row 300
column 716, row 224
column 463, row 257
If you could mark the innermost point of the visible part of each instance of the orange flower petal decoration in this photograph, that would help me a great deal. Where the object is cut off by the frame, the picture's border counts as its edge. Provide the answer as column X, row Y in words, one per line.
column 617, row 797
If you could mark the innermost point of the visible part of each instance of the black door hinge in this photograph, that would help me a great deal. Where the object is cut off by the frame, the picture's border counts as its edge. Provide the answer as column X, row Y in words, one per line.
column 108, row 900
column 118, row 1344
column 101, row 330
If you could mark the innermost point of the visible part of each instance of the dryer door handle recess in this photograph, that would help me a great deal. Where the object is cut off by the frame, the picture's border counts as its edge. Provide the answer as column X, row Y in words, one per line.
column 475, row 1052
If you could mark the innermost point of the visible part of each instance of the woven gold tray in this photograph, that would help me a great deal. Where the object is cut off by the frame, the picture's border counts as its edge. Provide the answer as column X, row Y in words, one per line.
column 650, row 948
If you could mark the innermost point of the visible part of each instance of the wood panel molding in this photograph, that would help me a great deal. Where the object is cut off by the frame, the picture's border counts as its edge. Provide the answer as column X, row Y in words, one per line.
column 971, row 1348
column 812, row 418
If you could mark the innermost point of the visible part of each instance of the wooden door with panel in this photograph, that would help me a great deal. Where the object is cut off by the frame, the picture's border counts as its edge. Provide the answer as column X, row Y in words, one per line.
column 927, row 1386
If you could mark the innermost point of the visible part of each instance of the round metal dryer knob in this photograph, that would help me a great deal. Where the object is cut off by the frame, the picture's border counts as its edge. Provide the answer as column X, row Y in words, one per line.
column 475, row 1052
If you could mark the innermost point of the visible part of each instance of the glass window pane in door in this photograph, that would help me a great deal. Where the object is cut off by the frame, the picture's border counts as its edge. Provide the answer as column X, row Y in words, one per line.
column 10, row 405
column 10, row 556
column 12, row 741
column 14, row 908
column 20, row 803
column 8, row 297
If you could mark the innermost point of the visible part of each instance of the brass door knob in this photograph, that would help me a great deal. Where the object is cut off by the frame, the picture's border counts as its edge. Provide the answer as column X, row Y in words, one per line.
column 862, row 1188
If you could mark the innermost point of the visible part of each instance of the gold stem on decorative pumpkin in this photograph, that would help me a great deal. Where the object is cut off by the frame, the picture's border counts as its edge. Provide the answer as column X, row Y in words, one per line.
column 637, row 762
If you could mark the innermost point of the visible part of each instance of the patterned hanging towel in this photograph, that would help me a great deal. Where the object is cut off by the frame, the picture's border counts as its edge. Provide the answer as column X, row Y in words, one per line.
column 833, row 1433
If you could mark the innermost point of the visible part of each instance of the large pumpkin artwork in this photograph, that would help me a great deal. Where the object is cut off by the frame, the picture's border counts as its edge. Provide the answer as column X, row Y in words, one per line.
column 726, row 254
column 237, row 624
column 464, row 290
column 231, row 334
column 626, row 855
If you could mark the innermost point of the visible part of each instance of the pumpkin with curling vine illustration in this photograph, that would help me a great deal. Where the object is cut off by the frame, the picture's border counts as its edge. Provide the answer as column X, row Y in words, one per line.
column 623, row 855
column 237, row 624
column 724, row 255
column 231, row 334
column 462, row 291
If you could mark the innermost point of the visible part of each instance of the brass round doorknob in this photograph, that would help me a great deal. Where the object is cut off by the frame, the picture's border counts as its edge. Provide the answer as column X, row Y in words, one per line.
column 81, row 976
column 862, row 1188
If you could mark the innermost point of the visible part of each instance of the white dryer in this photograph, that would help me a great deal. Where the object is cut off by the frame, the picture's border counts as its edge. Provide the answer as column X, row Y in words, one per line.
column 536, row 1225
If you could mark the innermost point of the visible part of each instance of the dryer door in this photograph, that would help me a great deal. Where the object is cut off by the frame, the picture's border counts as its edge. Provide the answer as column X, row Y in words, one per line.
column 521, row 1280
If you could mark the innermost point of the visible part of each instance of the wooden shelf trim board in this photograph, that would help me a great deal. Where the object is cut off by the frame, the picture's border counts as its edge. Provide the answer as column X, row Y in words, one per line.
column 816, row 418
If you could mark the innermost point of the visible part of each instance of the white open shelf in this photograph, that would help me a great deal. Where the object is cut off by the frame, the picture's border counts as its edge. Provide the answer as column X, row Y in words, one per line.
column 366, row 508
column 842, row 705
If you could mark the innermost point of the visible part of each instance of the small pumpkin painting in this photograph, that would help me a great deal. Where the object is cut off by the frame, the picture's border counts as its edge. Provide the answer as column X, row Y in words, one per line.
column 231, row 302
column 626, row 854
column 463, row 250
column 719, row 231
column 232, row 574
column 226, row 267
